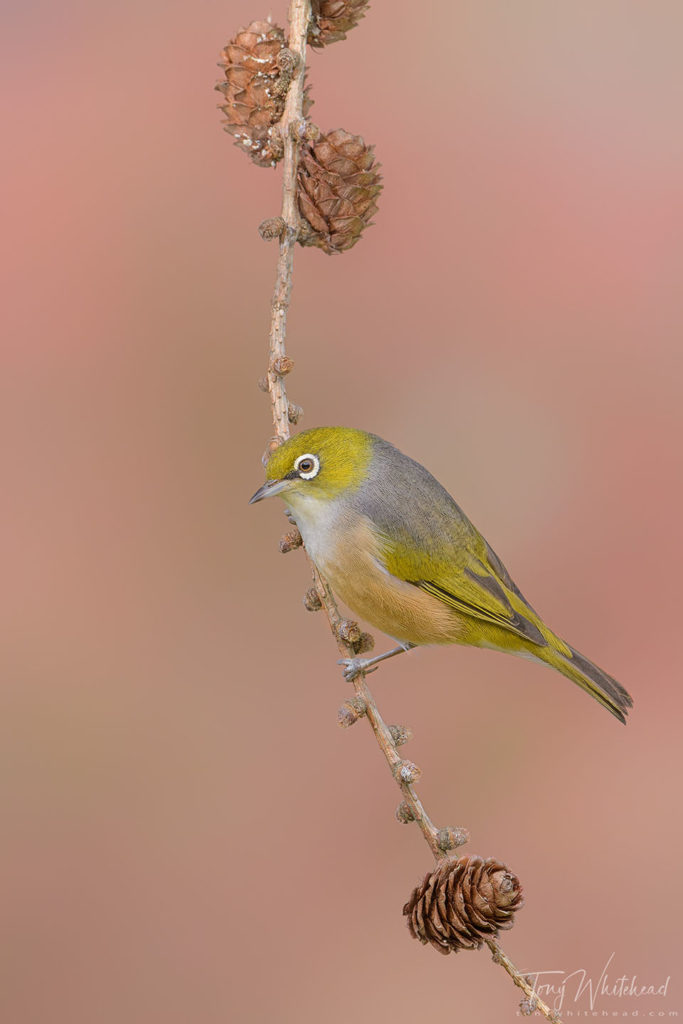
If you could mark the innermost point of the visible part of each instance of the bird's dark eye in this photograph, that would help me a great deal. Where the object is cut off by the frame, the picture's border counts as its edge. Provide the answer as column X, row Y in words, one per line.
column 307, row 466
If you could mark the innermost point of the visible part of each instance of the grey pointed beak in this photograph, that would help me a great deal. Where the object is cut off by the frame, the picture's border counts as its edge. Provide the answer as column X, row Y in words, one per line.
column 269, row 488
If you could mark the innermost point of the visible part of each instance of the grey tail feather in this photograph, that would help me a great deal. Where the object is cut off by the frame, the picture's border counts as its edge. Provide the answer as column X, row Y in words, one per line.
column 612, row 694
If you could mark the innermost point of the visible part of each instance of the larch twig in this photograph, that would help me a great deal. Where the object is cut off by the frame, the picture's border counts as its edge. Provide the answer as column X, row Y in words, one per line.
column 292, row 128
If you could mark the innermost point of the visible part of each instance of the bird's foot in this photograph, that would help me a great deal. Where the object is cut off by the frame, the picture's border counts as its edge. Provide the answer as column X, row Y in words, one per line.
column 354, row 666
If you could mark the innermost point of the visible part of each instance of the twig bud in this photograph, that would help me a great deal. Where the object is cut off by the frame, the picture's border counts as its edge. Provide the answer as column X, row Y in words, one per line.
column 400, row 734
column 287, row 61
column 271, row 447
column 311, row 132
column 350, row 711
column 294, row 412
column 271, row 228
column 276, row 145
column 450, row 838
column 404, row 813
column 282, row 366
column 297, row 129
column 365, row 644
column 528, row 1005
column 290, row 541
column 312, row 602
column 262, row 384
column 407, row 772
column 349, row 632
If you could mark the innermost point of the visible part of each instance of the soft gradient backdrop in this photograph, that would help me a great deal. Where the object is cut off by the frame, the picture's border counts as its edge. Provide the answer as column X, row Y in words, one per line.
column 187, row 835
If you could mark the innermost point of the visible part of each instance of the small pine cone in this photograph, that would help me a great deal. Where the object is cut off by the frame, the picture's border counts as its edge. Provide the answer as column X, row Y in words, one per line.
column 332, row 19
column 462, row 902
column 255, row 88
column 339, row 182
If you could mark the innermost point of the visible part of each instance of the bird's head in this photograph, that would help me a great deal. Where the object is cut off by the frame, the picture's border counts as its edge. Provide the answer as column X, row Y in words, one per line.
column 321, row 464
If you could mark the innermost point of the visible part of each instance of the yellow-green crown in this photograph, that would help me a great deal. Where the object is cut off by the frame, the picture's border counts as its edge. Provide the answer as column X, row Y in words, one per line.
column 343, row 453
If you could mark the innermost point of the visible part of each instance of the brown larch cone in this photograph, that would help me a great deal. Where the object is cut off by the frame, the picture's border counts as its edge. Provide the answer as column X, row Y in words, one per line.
column 255, row 87
column 338, row 185
column 462, row 902
column 332, row 19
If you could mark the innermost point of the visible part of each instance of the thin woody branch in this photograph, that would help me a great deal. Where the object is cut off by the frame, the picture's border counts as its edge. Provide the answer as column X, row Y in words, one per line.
column 291, row 129
column 398, row 767
column 290, row 132
column 533, row 1001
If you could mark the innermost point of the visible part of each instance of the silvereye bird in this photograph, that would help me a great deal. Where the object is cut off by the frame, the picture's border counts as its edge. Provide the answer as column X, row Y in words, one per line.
column 400, row 552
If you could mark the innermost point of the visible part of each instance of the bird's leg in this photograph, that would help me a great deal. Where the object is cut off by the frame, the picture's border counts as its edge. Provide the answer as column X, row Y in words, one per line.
column 354, row 666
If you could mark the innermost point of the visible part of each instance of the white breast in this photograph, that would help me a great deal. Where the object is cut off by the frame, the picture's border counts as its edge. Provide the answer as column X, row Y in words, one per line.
column 319, row 522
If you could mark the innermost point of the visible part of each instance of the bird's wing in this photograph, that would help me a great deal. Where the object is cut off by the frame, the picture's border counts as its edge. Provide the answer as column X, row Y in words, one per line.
column 468, row 576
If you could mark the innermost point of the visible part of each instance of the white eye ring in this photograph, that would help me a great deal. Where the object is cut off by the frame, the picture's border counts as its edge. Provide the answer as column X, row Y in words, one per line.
column 309, row 474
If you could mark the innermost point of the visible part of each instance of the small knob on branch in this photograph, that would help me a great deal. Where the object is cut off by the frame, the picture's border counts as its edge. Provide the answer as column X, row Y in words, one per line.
column 282, row 366
column 350, row 711
column 349, row 631
column 272, row 227
column 290, row 542
column 312, row 602
column 271, row 447
column 404, row 813
column 294, row 412
column 400, row 734
column 407, row 772
column 450, row 838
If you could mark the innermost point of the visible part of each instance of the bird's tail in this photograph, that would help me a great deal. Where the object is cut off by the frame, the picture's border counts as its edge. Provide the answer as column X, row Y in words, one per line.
column 606, row 690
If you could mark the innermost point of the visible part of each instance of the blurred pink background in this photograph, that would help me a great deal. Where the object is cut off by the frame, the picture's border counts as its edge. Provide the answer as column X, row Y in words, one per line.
column 188, row 836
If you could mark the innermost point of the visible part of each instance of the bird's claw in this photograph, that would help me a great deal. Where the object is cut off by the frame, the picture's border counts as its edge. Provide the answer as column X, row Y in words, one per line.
column 354, row 666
